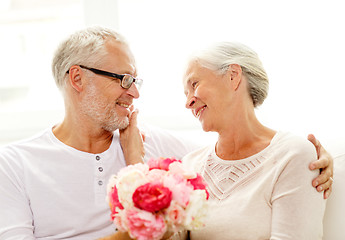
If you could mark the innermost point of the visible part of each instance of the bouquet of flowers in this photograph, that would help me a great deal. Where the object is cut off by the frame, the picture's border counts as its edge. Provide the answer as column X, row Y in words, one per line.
column 149, row 200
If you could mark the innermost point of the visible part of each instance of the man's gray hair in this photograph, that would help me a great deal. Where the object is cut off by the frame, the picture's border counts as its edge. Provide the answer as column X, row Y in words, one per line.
column 219, row 56
column 84, row 47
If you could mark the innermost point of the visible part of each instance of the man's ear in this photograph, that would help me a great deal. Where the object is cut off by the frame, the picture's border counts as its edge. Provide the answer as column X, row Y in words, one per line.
column 236, row 75
column 75, row 78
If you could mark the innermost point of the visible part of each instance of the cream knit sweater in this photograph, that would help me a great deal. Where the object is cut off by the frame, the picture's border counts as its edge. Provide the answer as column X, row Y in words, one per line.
column 266, row 196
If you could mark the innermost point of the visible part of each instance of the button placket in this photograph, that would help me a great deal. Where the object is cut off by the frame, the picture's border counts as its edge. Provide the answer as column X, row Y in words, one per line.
column 99, row 171
column 100, row 181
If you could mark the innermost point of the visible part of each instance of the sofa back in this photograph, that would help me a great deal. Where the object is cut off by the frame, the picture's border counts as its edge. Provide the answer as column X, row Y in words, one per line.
column 334, row 219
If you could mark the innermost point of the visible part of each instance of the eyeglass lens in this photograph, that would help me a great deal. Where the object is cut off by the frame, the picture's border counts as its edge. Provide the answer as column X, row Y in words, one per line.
column 128, row 80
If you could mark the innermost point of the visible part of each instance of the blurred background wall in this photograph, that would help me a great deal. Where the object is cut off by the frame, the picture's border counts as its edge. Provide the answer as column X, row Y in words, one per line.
column 301, row 44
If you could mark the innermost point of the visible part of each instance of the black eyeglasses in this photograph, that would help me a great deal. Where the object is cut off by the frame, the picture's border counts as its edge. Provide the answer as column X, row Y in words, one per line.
column 126, row 79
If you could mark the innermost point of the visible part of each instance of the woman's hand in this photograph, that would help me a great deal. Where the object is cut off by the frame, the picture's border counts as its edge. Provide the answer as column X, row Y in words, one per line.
column 325, row 163
column 131, row 140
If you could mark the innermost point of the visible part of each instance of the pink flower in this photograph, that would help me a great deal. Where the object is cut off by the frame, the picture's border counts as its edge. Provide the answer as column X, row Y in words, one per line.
column 145, row 226
column 120, row 220
column 156, row 175
column 161, row 163
column 199, row 183
column 152, row 197
column 157, row 198
column 179, row 187
column 175, row 215
column 114, row 201
column 153, row 163
column 178, row 168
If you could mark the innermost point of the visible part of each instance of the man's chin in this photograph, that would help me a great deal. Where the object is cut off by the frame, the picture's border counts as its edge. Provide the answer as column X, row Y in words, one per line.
column 118, row 124
column 123, row 124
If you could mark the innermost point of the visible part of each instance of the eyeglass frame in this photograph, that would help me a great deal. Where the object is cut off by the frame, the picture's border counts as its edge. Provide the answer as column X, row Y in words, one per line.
column 137, row 81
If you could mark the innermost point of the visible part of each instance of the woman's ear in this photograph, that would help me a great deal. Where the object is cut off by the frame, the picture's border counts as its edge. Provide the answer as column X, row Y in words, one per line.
column 75, row 78
column 236, row 75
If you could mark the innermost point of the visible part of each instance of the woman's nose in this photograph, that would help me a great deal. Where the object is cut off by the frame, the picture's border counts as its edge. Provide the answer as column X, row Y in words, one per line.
column 190, row 102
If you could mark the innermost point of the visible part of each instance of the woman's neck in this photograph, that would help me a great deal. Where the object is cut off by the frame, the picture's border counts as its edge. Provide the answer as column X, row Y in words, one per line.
column 243, row 138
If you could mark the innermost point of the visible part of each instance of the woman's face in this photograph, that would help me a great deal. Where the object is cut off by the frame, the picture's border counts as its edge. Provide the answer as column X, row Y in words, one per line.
column 208, row 96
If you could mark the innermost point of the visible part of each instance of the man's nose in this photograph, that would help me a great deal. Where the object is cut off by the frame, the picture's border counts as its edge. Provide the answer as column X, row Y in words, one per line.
column 133, row 91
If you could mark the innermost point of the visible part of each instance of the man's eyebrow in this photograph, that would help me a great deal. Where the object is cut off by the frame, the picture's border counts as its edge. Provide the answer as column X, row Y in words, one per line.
column 132, row 73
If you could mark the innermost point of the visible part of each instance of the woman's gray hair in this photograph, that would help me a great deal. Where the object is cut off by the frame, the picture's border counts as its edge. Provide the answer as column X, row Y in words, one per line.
column 219, row 56
column 84, row 47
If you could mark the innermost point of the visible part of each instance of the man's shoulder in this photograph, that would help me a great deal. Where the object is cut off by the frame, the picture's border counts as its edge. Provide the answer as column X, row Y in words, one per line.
column 31, row 143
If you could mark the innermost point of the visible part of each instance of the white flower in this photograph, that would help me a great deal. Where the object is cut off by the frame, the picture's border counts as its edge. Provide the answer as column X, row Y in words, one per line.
column 127, row 183
column 196, row 210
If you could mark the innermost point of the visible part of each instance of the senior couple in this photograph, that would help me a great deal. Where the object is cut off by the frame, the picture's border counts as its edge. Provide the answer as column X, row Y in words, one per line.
column 261, row 181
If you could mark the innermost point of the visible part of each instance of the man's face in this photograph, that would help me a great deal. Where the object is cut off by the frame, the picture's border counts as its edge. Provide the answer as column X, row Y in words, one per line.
column 104, row 101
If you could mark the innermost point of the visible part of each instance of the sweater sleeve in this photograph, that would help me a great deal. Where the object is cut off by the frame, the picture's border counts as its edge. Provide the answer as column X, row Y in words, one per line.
column 297, row 208
column 16, row 220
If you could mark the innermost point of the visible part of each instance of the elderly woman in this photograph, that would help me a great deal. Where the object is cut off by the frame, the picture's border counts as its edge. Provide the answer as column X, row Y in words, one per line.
column 258, row 178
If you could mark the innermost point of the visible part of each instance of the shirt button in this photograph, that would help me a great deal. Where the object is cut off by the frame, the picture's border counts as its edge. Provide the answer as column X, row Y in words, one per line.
column 100, row 183
column 100, row 169
column 98, row 158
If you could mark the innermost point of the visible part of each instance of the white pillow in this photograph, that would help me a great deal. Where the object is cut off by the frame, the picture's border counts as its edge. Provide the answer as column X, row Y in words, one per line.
column 334, row 219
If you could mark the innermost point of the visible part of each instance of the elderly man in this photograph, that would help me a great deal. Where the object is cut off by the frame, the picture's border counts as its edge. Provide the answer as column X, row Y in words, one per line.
column 53, row 185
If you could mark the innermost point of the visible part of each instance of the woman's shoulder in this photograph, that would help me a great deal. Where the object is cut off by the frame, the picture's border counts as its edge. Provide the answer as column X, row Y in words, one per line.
column 291, row 141
column 293, row 146
column 197, row 156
